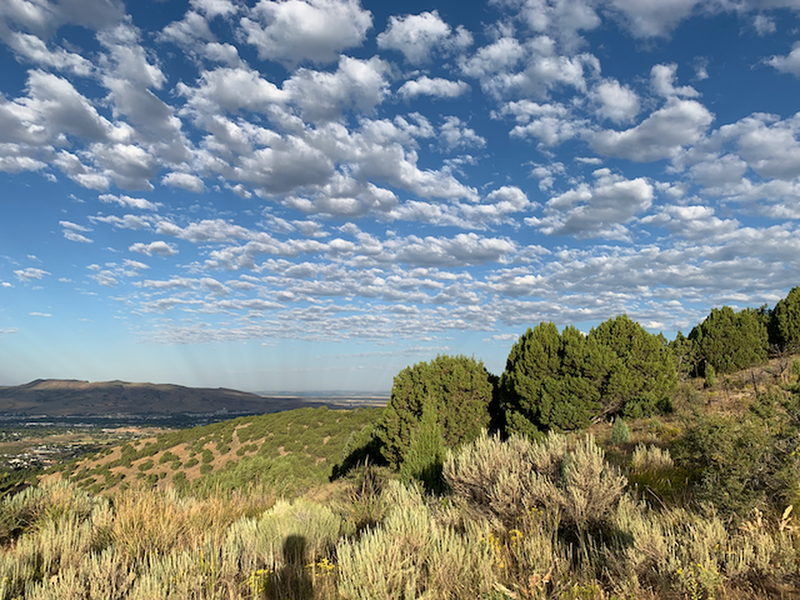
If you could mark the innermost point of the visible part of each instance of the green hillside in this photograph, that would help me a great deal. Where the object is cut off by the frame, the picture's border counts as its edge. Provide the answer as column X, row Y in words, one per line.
column 287, row 452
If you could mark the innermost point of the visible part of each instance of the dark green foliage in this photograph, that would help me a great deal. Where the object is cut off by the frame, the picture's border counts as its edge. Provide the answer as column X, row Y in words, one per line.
column 710, row 377
column 167, row 457
column 786, row 321
column 146, row 465
column 682, row 353
column 191, row 463
column 729, row 341
column 459, row 390
column 208, row 456
column 425, row 456
column 553, row 381
column 642, row 379
column 566, row 381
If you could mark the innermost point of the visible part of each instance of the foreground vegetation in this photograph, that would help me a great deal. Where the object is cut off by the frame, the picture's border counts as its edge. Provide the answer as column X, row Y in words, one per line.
column 521, row 519
column 607, row 465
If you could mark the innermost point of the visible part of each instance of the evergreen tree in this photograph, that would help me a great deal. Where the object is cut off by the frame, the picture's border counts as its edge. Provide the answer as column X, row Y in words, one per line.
column 457, row 389
column 425, row 457
column 786, row 321
column 553, row 381
column 643, row 378
column 729, row 341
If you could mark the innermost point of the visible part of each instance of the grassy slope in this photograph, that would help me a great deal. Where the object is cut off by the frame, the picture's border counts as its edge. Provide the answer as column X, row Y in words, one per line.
column 304, row 443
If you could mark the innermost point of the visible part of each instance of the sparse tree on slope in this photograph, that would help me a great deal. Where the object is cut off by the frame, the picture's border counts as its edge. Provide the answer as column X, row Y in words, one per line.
column 457, row 389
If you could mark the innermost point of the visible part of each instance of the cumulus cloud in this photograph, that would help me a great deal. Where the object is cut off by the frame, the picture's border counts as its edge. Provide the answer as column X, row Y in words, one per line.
column 659, row 136
column 418, row 37
column 322, row 96
column 615, row 101
column 158, row 248
column 652, row 18
column 128, row 201
column 294, row 31
column 662, row 80
column 599, row 210
column 436, row 87
column 186, row 181
column 789, row 63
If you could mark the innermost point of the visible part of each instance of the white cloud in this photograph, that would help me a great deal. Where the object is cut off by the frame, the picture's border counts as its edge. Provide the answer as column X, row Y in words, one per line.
column 40, row 314
column 436, row 87
column 659, row 136
column 562, row 19
column 789, row 63
column 71, row 232
column 322, row 96
column 417, row 37
column 215, row 8
column 615, row 101
column 34, row 49
column 508, row 68
column 599, row 210
column 158, row 248
column 764, row 25
column 125, row 222
column 186, row 181
column 455, row 134
column 29, row 274
column 9, row 331
column 128, row 201
column 294, row 31
column 652, row 18
column 662, row 80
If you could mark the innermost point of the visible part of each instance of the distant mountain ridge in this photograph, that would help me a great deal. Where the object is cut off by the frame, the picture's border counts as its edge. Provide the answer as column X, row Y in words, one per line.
column 62, row 397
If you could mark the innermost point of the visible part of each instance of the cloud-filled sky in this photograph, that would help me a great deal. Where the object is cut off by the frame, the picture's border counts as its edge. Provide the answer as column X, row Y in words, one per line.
column 313, row 194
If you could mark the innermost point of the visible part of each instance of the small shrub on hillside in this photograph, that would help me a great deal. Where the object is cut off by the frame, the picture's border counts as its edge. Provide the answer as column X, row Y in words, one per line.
column 191, row 463
column 146, row 465
column 425, row 456
column 508, row 479
column 740, row 464
column 620, row 432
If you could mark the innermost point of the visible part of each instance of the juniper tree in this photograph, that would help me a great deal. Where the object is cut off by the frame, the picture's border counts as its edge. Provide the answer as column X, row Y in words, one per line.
column 457, row 389
column 729, row 341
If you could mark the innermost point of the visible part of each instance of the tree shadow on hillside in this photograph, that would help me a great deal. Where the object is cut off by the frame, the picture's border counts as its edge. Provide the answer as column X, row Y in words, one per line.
column 293, row 581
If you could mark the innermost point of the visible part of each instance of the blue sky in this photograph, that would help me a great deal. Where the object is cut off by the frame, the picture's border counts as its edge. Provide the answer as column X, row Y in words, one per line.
column 313, row 194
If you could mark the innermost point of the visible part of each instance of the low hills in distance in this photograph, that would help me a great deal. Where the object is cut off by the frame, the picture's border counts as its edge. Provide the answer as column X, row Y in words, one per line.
column 69, row 397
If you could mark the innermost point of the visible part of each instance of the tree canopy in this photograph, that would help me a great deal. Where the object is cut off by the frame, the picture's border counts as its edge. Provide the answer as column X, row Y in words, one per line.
column 565, row 381
column 729, row 340
column 786, row 320
column 457, row 389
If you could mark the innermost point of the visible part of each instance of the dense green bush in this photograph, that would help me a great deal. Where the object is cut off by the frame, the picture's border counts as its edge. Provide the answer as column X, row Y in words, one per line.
column 729, row 341
column 642, row 379
column 786, row 321
column 568, row 380
column 553, row 381
column 458, row 389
